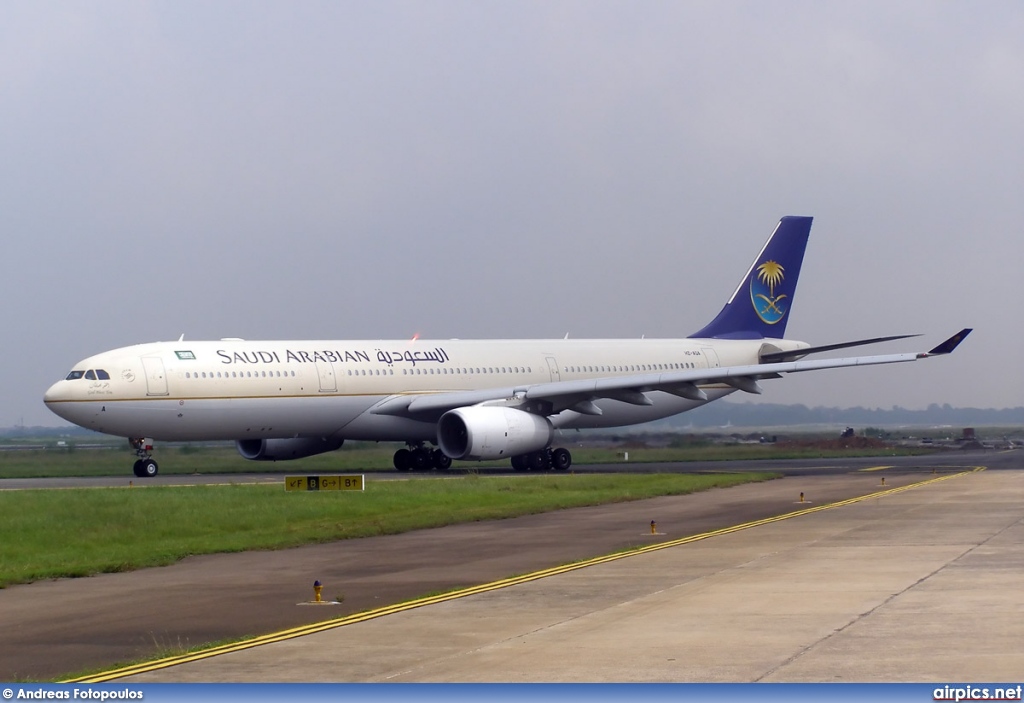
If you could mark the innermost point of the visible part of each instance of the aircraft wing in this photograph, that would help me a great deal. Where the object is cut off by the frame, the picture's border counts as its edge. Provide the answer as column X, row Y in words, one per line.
column 556, row 396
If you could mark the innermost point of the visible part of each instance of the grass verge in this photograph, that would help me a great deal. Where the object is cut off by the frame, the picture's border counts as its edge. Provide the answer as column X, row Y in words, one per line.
column 78, row 532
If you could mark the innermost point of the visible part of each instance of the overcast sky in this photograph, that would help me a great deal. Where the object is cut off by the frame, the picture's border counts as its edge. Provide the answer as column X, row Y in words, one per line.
column 366, row 170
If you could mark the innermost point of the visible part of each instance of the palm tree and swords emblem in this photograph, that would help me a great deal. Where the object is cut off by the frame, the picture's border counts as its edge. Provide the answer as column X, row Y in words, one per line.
column 767, row 305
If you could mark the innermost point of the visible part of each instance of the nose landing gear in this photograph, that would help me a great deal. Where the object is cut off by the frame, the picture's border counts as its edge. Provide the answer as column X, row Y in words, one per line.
column 144, row 467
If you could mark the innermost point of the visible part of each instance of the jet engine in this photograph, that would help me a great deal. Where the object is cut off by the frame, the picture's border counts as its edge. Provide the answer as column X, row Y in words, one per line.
column 285, row 449
column 481, row 433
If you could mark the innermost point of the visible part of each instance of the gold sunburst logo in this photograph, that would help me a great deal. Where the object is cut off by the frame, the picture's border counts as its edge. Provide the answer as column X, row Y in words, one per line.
column 771, row 274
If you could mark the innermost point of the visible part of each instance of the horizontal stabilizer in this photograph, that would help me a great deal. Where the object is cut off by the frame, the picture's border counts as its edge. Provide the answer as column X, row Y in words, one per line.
column 772, row 357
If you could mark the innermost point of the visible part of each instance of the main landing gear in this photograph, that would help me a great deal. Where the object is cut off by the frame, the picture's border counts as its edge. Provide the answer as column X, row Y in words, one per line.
column 544, row 460
column 416, row 457
column 145, row 467
column 419, row 458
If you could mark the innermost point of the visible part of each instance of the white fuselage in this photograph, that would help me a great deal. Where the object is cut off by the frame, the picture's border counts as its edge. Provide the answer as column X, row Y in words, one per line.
column 237, row 390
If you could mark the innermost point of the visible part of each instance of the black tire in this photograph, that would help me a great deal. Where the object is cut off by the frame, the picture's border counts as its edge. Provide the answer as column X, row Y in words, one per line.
column 561, row 459
column 137, row 468
column 538, row 461
column 148, row 468
column 519, row 463
column 419, row 460
column 402, row 459
column 440, row 460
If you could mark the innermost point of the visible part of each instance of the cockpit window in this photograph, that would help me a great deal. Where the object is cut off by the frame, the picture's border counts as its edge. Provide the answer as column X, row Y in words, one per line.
column 102, row 375
column 90, row 375
column 74, row 375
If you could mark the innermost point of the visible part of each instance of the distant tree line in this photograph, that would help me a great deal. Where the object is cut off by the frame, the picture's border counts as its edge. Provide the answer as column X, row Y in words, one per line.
column 724, row 413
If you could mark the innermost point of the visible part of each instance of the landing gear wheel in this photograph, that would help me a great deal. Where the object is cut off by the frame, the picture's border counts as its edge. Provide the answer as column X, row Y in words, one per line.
column 144, row 467
column 402, row 459
column 440, row 460
column 420, row 459
column 538, row 461
column 561, row 459
column 519, row 463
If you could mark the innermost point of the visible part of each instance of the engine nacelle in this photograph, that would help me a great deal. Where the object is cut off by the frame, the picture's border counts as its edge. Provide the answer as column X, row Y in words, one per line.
column 285, row 449
column 485, row 432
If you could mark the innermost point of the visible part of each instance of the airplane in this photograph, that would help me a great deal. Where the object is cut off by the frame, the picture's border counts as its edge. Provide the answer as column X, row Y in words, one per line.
column 473, row 400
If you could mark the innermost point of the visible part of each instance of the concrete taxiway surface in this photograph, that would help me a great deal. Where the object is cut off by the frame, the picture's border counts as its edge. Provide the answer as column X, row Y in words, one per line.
column 918, row 585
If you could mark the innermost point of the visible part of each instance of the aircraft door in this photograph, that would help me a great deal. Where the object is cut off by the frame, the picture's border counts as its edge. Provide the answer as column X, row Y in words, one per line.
column 156, row 376
column 553, row 369
column 711, row 357
column 328, row 379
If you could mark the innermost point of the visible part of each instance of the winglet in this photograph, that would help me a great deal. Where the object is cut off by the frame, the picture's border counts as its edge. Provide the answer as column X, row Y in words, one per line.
column 952, row 343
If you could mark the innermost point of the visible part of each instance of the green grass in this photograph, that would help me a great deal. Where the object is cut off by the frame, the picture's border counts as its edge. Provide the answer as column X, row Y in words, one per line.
column 77, row 532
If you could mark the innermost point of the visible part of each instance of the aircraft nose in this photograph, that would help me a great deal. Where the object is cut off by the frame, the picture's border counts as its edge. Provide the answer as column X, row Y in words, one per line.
column 54, row 395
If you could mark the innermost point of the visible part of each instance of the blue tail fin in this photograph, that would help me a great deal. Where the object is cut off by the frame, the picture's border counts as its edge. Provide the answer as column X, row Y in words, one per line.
column 761, row 304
